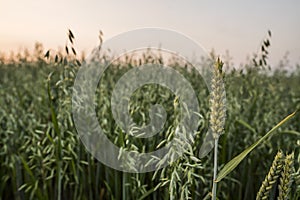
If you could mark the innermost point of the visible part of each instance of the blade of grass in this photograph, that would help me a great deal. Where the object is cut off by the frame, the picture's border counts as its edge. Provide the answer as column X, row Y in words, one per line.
column 245, row 124
column 57, row 131
column 147, row 194
column 32, row 177
column 232, row 164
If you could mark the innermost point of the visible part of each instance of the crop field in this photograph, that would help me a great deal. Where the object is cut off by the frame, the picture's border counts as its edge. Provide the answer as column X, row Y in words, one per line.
column 42, row 156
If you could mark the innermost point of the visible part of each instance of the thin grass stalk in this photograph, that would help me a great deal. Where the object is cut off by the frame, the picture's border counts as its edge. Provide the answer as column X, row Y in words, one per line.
column 90, row 178
column 19, row 179
column 97, row 177
column 214, row 187
column 124, row 181
column 59, row 147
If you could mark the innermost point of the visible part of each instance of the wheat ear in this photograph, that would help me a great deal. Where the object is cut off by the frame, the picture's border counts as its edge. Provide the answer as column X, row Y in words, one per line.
column 272, row 177
column 217, row 114
column 286, row 178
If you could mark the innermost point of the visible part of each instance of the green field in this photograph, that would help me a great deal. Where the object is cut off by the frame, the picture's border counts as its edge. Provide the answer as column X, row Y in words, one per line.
column 41, row 156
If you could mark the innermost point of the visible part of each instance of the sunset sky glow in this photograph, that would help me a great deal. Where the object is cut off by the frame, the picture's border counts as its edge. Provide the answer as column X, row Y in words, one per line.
column 237, row 26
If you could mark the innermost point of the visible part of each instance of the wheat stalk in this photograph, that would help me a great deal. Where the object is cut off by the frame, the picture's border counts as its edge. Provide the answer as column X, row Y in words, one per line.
column 217, row 114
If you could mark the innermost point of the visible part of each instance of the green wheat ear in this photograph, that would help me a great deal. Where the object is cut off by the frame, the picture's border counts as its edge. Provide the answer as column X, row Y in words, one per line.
column 217, row 101
column 217, row 114
column 286, row 178
column 272, row 177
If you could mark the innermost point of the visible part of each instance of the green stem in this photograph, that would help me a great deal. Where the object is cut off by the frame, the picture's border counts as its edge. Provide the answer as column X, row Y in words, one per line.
column 214, row 188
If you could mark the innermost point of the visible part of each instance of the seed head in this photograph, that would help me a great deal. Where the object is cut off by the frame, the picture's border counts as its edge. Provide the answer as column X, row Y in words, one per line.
column 217, row 101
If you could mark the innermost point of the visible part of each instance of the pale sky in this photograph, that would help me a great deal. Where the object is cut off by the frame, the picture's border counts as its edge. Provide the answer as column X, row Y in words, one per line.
column 237, row 26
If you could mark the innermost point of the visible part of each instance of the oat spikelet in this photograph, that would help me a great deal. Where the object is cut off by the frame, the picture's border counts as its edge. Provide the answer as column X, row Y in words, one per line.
column 217, row 101
column 272, row 177
column 286, row 178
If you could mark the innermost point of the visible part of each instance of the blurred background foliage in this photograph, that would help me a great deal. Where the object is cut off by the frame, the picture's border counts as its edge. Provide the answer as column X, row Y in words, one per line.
column 41, row 156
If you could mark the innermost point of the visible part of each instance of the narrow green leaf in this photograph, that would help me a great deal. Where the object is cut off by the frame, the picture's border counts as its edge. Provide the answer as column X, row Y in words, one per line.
column 33, row 179
column 57, row 131
column 246, row 125
column 232, row 164
column 28, row 170
column 147, row 194
column 292, row 132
